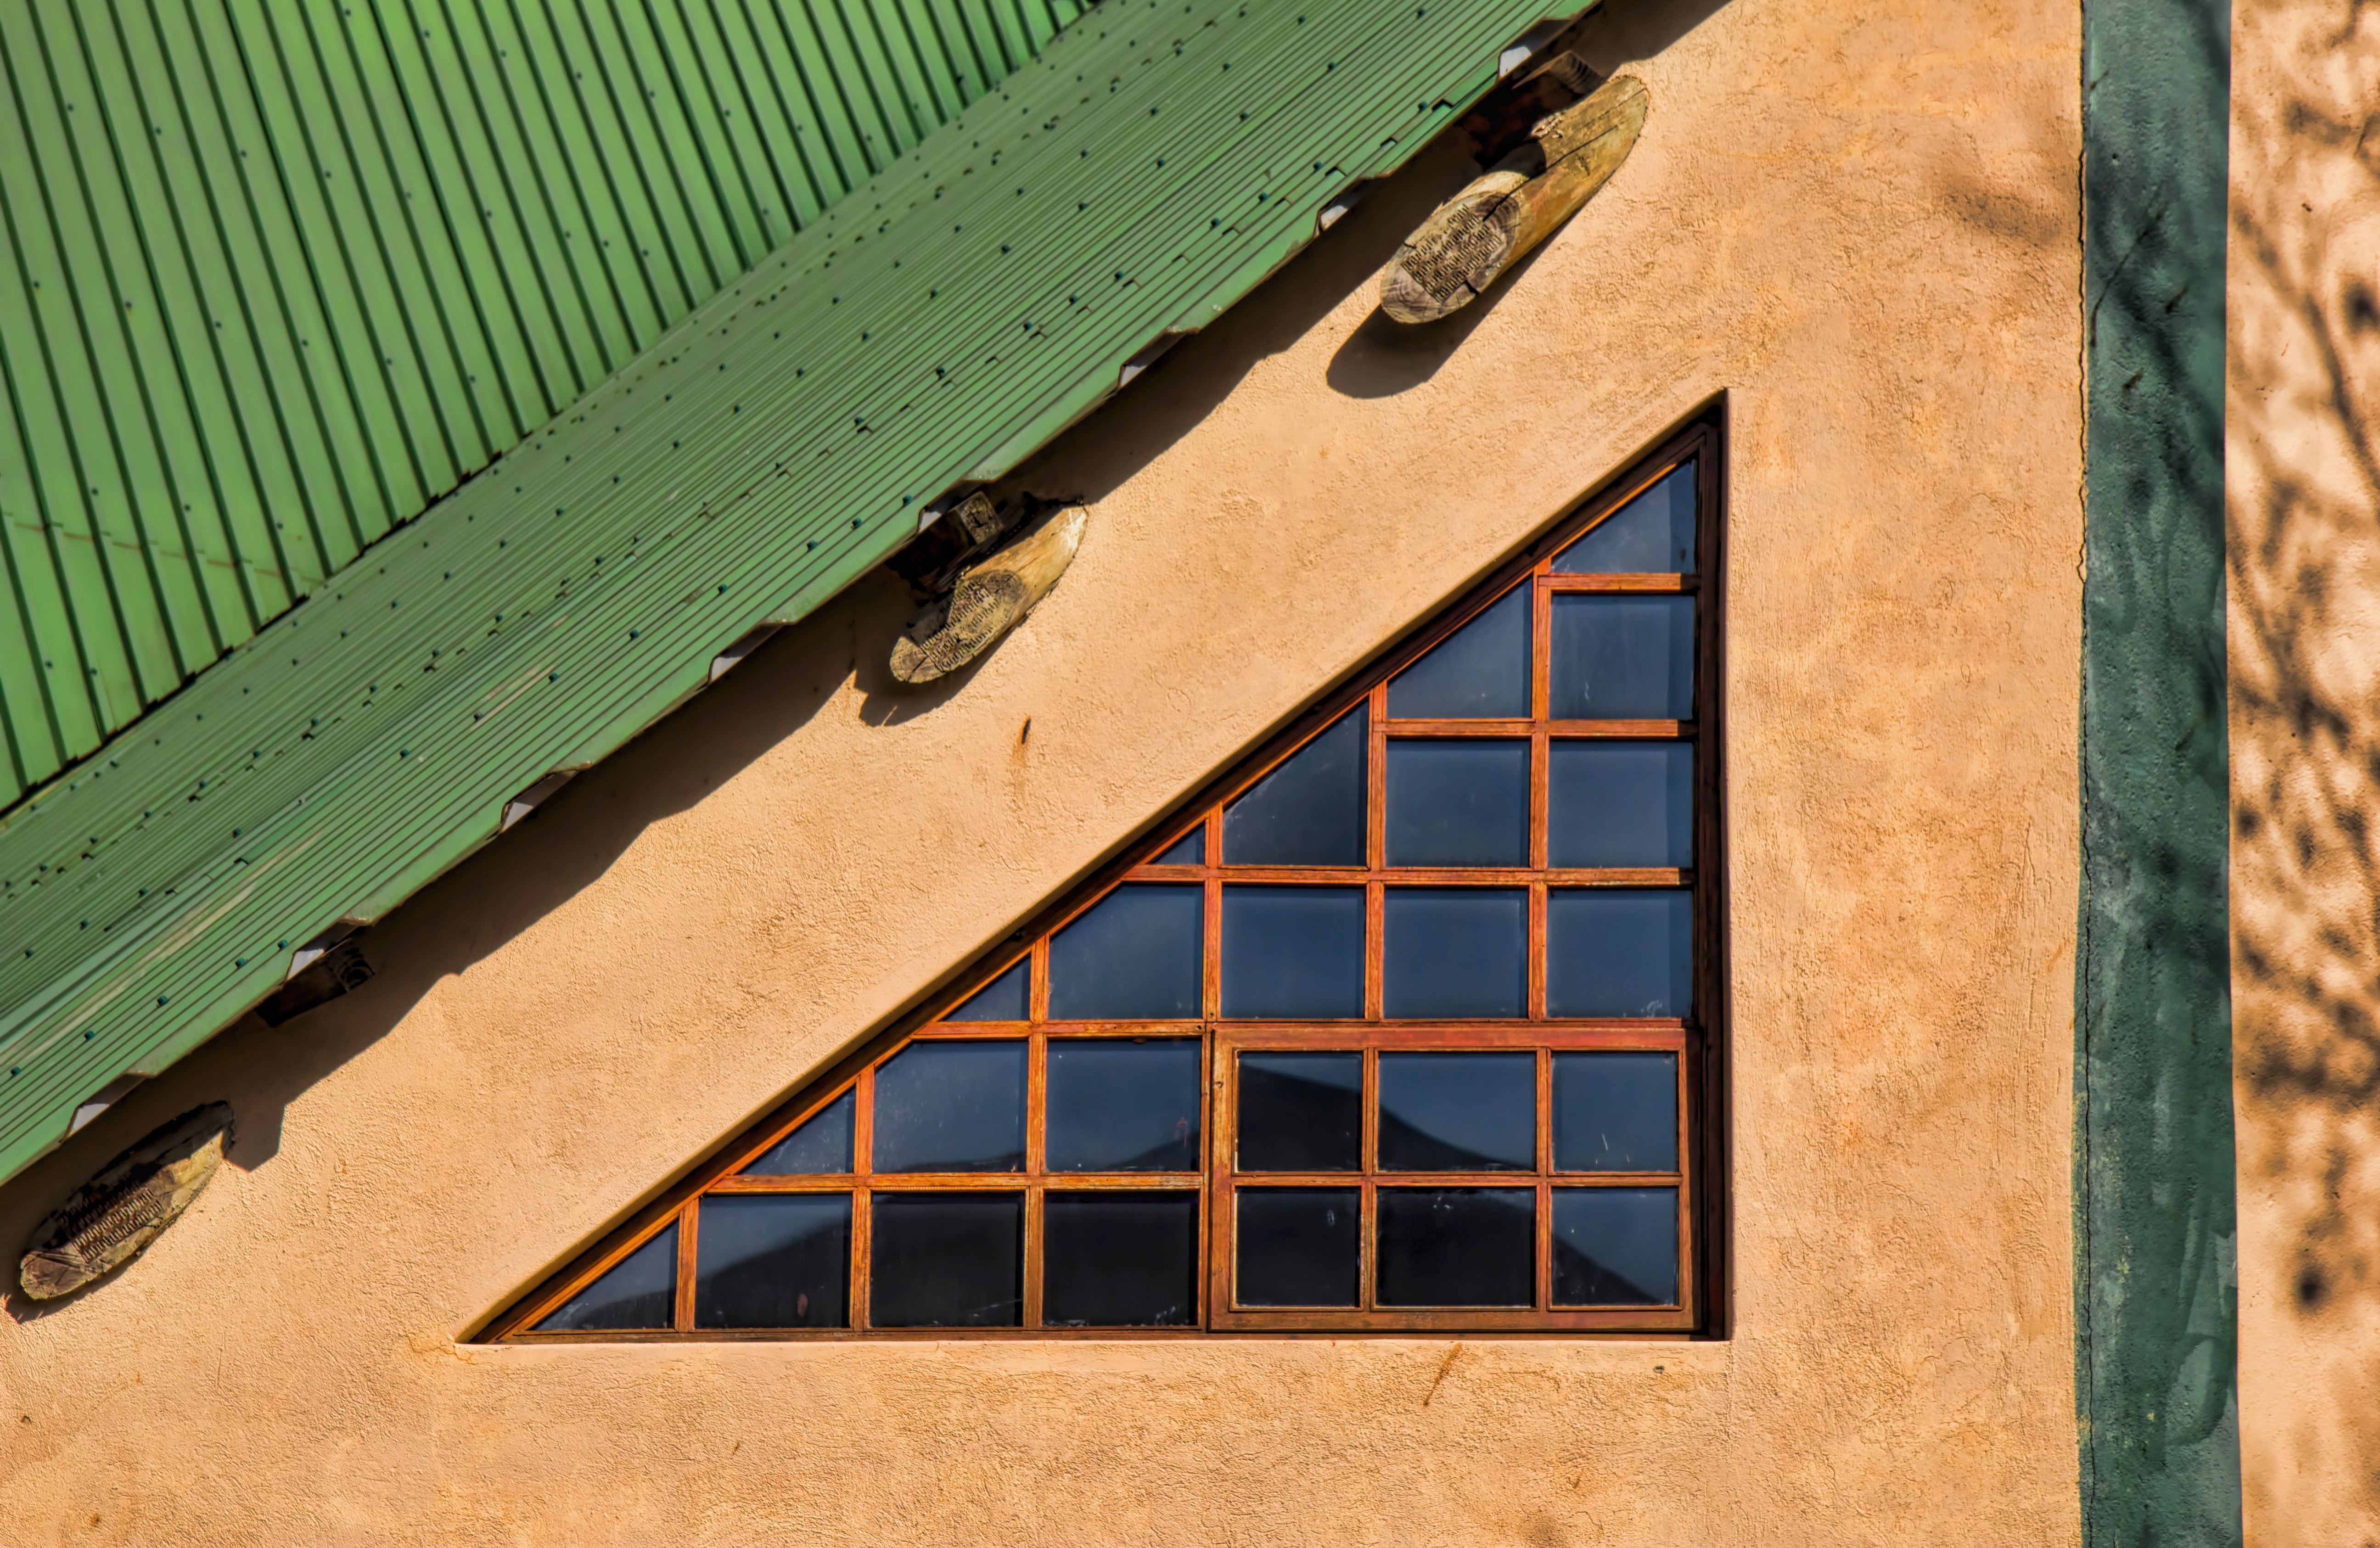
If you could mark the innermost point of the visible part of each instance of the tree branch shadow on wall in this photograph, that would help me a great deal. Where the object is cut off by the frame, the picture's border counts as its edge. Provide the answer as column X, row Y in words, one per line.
column 2303, row 571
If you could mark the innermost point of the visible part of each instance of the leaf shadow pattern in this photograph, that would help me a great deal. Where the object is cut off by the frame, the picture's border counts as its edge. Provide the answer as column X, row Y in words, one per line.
column 2303, row 577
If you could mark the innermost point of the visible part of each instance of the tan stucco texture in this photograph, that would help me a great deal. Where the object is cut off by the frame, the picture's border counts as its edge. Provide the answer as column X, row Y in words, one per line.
column 2302, row 476
column 1858, row 221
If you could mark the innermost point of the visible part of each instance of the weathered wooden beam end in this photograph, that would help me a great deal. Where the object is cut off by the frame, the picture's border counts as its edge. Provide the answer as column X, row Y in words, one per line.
column 992, row 598
column 1469, row 241
column 106, row 1222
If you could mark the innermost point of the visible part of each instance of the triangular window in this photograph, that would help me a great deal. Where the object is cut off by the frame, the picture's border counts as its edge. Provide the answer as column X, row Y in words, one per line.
column 1406, row 1023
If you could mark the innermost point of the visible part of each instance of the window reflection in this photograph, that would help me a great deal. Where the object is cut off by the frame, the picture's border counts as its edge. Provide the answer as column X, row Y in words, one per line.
column 1480, row 671
column 951, row 1107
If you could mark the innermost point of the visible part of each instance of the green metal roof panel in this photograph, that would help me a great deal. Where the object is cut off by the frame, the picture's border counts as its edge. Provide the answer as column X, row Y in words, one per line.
column 274, row 277
column 978, row 295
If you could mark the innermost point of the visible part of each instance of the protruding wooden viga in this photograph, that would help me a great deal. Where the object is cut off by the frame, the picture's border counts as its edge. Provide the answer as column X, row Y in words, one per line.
column 106, row 1222
column 1493, row 223
column 990, row 598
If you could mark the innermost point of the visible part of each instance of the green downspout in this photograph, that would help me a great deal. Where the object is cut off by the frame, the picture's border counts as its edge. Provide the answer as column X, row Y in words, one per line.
column 2156, row 1275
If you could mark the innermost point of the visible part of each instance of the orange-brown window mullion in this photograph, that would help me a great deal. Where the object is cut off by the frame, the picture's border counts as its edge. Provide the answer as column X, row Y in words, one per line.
column 1375, row 928
column 1198, row 1317
column 1540, row 797
column 1689, row 1077
column 1367, row 1226
column 1036, row 990
column 862, row 1235
column 1036, row 1162
column 1037, row 1089
column 1541, row 647
column 1536, row 960
column 1376, row 848
column 1375, row 782
column 1219, row 1172
column 682, row 1315
column 1544, row 1291
column 1030, row 1315
column 863, row 1164
column 1210, row 988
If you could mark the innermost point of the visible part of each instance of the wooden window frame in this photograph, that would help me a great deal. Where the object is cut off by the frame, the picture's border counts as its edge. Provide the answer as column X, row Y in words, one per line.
column 1698, row 1041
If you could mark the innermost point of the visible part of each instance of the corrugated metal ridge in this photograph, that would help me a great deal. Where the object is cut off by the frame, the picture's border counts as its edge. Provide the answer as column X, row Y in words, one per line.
column 274, row 277
column 979, row 295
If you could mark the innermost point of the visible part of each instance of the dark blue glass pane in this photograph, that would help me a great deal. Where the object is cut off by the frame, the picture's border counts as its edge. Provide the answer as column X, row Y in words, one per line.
column 1652, row 534
column 639, row 1291
column 1457, row 1247
column 822, row 1144
column 1615, row 1246
column 773, row 1261
column 1309, row 810
column 1458, row 803
column 1133, row 956
column 947, row 1260
column 1458, row 1112
column 1622, row 658
column 951, row 1107
column 1300, row 1112
column 1294, row 952
column 1479, row 672
column 1188, row 850
column 1615, row 1112
column 1120, row 1260
column 1618, row 953
column 1455, row 951
column 1123, row 1107
column 1298, row 1246
column 1620, row 803
column 1002, row 1000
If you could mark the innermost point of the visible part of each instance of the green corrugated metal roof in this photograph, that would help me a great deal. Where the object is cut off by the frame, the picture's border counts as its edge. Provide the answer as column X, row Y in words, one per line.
column 274, row 277
column 1158, row 161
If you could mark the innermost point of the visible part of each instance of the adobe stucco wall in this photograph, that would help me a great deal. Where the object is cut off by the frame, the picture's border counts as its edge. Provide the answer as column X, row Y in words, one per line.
column 2302, row 481
column 1860, row 222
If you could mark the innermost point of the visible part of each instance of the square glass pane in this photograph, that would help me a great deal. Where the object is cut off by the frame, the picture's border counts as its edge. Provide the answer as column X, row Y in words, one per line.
column 1458, row 803
column 773, row 1261
column 1188, row 850
column 1629, row 657
column 1620, row 803
column 1652, row 534
column 1616, row 1112
column 1615, row 1246
column 1294, row 953
column 951, row 1107
column 1297, row 1246
column 1479, row 672
column 820, row 1146
column 1119, row 1105
column 1455, row 951
column 1002, row 1000
column 1458, row 1112
column 1457, row 1247
column 1619, row 952
column 1309, row 810
column 1300, row 1112
column 639, row 1291
column 1135, row 955
column 1120, row 1260
column 947, row 1260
